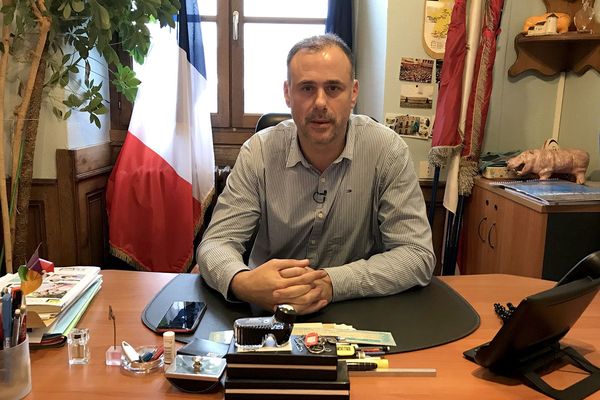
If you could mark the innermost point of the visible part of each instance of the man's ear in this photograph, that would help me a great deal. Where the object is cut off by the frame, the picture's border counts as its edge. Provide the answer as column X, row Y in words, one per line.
column 354, row 92
column 286, row 92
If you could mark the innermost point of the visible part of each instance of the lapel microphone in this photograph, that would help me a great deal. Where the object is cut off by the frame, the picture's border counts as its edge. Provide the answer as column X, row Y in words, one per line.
column 319, row 197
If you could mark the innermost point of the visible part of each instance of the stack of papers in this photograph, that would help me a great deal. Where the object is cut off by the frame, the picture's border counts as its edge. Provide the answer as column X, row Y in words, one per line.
column 58, row 304
column 554, row 191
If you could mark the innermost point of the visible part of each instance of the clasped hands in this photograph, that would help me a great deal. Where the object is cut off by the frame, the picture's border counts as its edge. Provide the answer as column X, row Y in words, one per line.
column 284, row 281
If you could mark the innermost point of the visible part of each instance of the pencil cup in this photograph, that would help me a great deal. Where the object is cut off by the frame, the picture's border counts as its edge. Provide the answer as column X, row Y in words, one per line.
column 15, row 371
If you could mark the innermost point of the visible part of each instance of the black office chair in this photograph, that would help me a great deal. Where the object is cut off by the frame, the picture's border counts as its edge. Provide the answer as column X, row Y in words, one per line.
column 270, row 119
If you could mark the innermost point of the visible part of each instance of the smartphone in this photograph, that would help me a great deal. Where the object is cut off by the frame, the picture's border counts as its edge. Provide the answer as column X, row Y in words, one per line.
column 182, row 316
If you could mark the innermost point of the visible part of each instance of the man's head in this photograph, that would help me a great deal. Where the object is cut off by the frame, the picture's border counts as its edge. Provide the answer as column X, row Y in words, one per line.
column 321, row 91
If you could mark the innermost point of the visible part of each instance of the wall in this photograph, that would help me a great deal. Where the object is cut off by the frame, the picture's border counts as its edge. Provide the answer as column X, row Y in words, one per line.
column 521, row 113
column 76, row 132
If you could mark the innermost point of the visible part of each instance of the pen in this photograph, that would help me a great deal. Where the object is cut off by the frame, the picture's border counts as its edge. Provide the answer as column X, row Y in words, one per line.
column 7, row 319
column 16, row 328
column 23, row 324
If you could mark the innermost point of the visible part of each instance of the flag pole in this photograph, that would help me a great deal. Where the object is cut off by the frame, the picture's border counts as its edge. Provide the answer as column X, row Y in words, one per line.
column 451, row 197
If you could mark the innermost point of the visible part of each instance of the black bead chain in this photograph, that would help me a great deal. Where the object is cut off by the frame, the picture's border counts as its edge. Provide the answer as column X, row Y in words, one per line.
column 504, row 312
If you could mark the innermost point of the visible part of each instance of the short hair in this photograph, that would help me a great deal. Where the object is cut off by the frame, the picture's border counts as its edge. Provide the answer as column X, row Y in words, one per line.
column 320, row 42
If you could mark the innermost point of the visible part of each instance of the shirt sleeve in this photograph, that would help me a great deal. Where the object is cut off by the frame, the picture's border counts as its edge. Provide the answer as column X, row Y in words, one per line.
column 408, row 259
column 234, row 219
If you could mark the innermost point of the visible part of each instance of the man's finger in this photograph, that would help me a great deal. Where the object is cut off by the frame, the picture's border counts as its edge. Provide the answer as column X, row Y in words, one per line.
column 292, row 272
column 307, row 278
column 290, row 293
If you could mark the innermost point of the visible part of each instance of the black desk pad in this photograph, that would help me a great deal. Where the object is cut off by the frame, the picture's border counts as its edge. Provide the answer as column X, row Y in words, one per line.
column 418, row 318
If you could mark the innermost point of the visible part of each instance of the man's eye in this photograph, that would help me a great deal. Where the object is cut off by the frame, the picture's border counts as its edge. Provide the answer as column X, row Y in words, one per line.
column 307, row 89
column 334, row 89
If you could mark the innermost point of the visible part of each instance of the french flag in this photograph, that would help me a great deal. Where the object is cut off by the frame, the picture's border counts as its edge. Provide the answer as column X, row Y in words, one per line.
column 164, row 176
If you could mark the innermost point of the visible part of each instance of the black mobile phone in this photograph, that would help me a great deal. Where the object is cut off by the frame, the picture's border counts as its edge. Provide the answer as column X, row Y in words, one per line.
column 182, row 316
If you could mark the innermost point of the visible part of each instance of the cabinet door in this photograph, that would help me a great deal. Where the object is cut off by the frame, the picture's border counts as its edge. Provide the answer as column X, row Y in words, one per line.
column 502, row 236
column 521, row 239
column 480, row 228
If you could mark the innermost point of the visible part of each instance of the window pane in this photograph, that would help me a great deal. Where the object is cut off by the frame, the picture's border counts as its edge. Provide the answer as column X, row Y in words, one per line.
column 265, row 53
column 209, row 39
column 207, row 7
column 286, row 8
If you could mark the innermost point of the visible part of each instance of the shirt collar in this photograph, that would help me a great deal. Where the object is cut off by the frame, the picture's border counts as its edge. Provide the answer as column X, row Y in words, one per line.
column 295, row 155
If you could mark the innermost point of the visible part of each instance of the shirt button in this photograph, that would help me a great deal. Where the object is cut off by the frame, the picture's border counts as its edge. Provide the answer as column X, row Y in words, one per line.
column 312, row 242
column 322, row 180
column 320, row 214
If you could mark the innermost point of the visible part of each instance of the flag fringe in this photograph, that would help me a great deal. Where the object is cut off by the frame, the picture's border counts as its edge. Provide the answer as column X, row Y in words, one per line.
column 440, row 155
column 466, row 175
column 124, row 256
column 205, row 203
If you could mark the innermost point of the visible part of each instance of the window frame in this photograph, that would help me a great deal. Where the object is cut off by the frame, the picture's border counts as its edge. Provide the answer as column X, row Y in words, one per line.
column 230, row 125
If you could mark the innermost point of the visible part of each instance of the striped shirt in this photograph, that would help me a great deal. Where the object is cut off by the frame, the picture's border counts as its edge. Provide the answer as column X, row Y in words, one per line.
column 363, row 218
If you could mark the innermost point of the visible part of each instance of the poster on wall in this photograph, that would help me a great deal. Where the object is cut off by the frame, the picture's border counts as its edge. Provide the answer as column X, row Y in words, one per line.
column 435, row 26
column 416, row 69
column 416, row 95
column 413, row 126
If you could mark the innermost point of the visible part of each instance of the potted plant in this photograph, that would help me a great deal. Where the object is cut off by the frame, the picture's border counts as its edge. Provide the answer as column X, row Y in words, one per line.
column 55, row 41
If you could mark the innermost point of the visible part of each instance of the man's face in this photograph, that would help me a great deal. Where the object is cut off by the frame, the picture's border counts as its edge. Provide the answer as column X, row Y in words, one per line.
column 321, row 94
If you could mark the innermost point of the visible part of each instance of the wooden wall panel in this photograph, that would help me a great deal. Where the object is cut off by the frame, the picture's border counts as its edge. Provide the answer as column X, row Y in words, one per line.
column 82, row 178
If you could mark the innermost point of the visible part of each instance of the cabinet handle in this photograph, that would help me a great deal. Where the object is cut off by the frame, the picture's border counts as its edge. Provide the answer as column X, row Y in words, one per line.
column 492, row 228
column 479, row 229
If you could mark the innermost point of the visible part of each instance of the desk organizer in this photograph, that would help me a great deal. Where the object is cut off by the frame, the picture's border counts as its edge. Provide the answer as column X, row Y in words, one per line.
column 15, row 371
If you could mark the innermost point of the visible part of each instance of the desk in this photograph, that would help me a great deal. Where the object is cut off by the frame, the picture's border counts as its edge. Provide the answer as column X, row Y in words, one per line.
column 129, row 292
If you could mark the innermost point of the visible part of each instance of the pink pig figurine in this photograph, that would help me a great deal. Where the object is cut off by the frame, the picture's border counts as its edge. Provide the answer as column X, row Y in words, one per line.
column 545, row 162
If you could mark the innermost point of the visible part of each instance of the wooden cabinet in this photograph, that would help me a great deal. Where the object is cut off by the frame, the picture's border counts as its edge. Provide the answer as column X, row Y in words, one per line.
column 505, row 233
column 552, row 54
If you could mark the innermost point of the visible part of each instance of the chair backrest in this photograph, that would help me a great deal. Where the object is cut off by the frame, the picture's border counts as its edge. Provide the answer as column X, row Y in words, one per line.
column 270, row 119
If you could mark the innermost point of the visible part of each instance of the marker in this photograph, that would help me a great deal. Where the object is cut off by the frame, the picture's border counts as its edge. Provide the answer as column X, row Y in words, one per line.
column 7, row 319
column 362, row 366
column 130, row 352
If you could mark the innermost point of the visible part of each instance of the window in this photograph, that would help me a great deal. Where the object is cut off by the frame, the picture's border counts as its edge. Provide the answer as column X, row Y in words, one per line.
column 245, row 44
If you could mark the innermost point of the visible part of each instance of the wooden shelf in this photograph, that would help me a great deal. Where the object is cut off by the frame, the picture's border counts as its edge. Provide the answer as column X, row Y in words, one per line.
column 552, row 54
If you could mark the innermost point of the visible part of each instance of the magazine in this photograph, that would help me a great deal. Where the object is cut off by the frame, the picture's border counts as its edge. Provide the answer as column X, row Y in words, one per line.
column 59, row 289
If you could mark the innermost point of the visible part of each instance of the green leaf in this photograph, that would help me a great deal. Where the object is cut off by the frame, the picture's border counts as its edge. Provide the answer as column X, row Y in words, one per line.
column 101, row 109
column 95, row 120
column 78, row 6
column 67, row 115
column 67, row 11
column 58, row 113
column 104, row 17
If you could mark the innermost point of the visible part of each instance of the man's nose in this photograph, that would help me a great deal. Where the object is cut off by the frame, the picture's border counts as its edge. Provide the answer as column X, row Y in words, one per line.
column 321, row 98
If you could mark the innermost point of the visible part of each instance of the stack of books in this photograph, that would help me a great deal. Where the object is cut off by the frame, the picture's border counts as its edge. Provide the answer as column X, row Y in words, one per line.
column 294, row 373
column 57, row 305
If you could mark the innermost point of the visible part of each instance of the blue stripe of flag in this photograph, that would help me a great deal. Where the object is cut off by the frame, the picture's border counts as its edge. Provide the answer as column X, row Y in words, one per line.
column 190, row 35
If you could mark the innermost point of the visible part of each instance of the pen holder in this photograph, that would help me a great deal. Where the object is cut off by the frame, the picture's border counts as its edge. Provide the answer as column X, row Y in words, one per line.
column 137, row 368
column 15, row 371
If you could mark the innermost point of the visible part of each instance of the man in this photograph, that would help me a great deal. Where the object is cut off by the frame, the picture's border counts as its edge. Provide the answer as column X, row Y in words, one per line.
column 334, row 199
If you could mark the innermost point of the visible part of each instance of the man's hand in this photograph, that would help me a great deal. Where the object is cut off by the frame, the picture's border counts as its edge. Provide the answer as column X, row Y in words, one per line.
column 294, row 277
column 306, row 302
